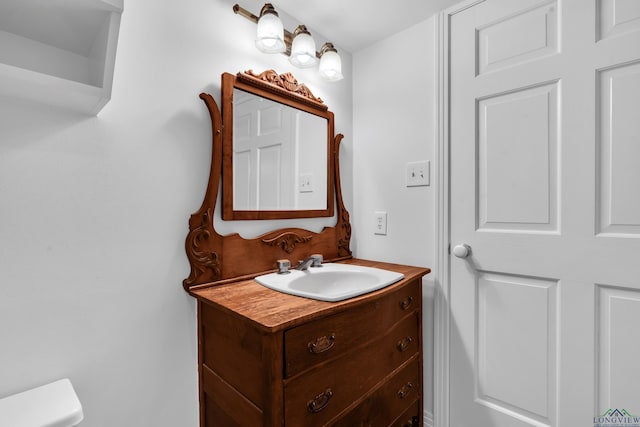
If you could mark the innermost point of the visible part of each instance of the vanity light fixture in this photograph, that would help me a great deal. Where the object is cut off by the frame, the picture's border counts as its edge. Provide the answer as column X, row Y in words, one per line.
column 330, row 67
column 272, row 37
column 270, row 33
column 303, row 48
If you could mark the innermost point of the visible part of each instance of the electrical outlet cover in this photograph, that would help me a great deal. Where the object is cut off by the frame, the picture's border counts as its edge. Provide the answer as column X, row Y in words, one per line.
column 380, row 225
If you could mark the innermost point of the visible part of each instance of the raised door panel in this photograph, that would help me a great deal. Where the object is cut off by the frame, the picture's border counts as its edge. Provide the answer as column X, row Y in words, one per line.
column 618, row 17
column 517, row 160
column 524, row 36
column 516, row 327
column 619, row 156
column 618, row 335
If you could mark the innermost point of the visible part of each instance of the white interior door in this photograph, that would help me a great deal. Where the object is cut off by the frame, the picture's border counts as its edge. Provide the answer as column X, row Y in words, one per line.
column 263, row 149
column 545, row 190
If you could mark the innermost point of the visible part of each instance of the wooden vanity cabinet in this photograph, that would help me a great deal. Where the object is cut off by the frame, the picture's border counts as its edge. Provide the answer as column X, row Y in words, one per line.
column 271, row 359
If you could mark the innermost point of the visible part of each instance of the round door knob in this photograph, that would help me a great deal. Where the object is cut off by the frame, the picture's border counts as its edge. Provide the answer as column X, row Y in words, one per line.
column 462, row 251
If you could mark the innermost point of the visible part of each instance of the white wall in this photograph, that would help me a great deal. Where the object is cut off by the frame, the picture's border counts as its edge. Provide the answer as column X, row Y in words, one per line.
column 394, row 123
column 94, row 213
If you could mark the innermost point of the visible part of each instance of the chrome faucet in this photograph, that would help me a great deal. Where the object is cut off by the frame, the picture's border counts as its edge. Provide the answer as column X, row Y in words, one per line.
column 314, row 260
column 311, row 261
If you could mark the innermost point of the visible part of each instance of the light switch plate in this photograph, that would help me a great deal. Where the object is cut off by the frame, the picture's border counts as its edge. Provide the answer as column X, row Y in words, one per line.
column 305, row 183
column 417, row 173
column 380, row 224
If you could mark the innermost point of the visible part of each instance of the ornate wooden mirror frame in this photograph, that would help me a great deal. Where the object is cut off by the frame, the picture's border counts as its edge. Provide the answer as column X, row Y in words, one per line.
column 282, row 90
column 217, row 259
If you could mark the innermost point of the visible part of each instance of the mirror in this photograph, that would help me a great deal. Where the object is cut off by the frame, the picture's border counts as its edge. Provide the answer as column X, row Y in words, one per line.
column 277, row 149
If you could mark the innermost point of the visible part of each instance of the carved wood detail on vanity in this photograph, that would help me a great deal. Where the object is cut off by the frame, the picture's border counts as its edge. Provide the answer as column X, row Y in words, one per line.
column 285, row 82
column 205, row 263
column 203, row 245
column 287, row 241
column 344, row 226
column 216, row 259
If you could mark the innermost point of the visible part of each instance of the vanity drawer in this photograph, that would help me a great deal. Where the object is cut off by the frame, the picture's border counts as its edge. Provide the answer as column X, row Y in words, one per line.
column 323, row 393
column 329, row 337
column 394, row 403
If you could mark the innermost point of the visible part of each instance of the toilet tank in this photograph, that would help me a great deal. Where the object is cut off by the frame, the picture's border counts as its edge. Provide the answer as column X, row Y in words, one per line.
column 51, row 405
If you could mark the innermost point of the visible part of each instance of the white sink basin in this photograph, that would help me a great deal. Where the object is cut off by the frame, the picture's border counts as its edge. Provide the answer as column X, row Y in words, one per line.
column 331, row 282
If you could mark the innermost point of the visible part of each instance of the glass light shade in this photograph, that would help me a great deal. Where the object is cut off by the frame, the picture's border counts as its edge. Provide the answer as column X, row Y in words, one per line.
column 303, row 51
column 270, row 34
column 331, row 66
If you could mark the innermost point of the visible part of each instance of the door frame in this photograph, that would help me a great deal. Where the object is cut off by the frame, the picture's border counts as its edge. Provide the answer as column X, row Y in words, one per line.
column 442, row 310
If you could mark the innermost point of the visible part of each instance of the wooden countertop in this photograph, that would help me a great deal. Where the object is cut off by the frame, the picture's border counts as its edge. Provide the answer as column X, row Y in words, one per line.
column 272, row 310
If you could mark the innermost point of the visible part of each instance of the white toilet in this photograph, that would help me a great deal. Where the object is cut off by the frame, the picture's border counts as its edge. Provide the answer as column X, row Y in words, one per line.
column 51, row 405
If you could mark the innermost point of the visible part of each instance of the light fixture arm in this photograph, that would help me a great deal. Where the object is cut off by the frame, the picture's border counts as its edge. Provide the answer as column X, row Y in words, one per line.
column 239, row 10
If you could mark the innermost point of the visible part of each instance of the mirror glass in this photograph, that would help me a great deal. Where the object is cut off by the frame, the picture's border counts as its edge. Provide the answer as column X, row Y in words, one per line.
column 277, row 149
column 279, row 156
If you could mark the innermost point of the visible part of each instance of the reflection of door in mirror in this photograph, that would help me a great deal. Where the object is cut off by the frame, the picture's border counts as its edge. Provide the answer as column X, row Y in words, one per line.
column 262, row 150
column 278, row 155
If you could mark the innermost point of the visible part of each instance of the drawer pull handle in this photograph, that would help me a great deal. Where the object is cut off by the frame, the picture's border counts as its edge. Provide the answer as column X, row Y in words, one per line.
column 406, row 303
column 322, row 344
column 413, row 422
column 404, row 343
column 320, row 402
column 405, row 390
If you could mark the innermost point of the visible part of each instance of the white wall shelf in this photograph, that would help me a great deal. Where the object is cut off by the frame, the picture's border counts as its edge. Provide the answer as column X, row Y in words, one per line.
column 59, row 52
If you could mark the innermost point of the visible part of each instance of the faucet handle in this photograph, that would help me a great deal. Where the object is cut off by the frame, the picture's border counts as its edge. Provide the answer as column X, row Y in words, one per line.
column 317, row 260
column 283, row 266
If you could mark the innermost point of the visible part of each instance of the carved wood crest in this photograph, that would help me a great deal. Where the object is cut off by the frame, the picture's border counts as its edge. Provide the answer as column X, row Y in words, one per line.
column 285, row 83
column 287, row 241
